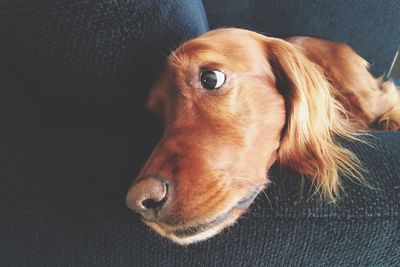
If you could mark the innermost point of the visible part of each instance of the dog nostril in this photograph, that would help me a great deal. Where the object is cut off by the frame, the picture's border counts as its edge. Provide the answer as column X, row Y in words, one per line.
column 153, row 203
column 148, row 196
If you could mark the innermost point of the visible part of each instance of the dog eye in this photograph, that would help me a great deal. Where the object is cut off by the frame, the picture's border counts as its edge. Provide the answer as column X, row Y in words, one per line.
column 212, row 79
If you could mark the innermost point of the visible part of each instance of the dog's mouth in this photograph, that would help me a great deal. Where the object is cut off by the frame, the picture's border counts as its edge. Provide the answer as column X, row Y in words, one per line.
column 194, row 230
column 194, row 233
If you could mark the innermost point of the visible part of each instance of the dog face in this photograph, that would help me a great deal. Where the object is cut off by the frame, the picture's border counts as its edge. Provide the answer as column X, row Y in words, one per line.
column 233, row 103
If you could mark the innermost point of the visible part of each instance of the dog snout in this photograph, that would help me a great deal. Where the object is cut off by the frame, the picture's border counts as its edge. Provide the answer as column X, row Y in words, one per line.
column 148, row 196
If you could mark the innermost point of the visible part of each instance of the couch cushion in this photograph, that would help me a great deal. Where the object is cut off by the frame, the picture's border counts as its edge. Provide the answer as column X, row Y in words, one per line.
column 62, row 204
column 91, row 62
column 371, row 27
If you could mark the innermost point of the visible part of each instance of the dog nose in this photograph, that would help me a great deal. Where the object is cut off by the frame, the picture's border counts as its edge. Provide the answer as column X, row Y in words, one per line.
column 147, row 197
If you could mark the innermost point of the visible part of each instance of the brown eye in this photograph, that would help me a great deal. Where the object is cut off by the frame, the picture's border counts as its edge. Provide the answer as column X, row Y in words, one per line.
column 212, row 79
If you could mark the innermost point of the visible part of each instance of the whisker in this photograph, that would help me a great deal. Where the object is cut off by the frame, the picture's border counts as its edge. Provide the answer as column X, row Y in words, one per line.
column 254, row 183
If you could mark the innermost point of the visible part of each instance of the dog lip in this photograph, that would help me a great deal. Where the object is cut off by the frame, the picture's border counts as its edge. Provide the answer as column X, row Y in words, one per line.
column 245, row 202
column 194, row 230
column 242, row 204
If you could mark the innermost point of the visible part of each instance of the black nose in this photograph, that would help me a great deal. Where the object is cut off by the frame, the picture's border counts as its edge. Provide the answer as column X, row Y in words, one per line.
column 147, row 197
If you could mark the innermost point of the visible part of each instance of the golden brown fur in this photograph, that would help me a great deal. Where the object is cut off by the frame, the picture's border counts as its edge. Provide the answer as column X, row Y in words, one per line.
column 282, row 101
column 366, row 99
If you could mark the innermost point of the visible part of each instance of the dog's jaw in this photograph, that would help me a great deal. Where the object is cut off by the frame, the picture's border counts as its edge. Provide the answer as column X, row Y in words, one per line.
column 234, row 214
column 195, row 232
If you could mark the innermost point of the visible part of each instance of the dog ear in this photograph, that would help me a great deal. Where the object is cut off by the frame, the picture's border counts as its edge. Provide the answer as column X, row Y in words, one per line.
column 314, row 119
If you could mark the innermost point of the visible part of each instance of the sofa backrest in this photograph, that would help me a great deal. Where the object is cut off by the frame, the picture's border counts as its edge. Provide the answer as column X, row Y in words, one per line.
column 371, row 27
column 90, row 63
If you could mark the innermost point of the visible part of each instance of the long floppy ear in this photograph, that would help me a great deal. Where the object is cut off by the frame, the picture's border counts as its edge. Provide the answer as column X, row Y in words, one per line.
column 314, row 120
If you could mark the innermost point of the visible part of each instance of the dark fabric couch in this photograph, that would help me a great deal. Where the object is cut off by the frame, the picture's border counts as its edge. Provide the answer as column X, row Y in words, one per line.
column 74, row 133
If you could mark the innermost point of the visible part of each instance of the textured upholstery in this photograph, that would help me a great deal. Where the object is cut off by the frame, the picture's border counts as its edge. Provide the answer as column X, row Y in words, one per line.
column 370, row 27
column 62, row 202
column 90, row 63
column 74, row 133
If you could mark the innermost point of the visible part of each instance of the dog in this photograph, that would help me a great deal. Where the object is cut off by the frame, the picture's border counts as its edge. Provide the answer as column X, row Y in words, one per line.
column 235, row 102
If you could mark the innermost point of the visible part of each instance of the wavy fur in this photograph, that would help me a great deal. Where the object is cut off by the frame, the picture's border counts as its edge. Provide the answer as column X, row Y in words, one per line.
column 314, row 121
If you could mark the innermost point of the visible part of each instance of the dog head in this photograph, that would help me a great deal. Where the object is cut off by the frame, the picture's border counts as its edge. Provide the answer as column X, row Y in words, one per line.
column 234, row 102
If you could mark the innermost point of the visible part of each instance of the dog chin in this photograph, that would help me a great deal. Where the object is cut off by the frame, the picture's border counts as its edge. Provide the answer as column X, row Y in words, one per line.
column 194, row 233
